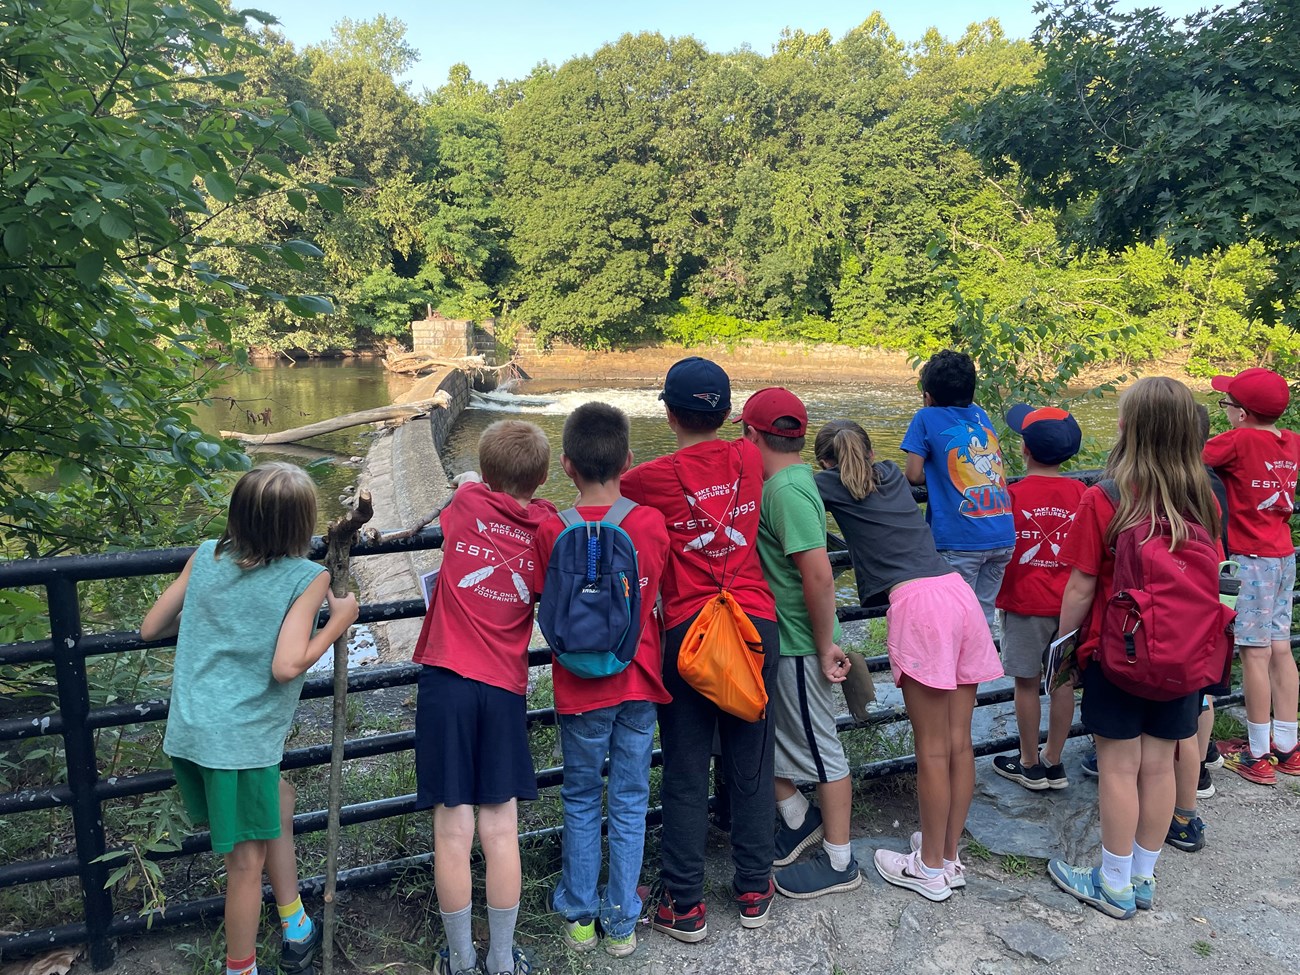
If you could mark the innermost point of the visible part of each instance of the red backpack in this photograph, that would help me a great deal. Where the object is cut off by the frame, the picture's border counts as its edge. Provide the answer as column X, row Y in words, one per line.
column 1164, row 632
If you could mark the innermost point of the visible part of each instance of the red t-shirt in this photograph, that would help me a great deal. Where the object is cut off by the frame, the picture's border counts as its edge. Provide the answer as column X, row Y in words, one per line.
column 709, row 495
column 1087, row 550
column 642, row 679
column 480, row 620
column 1044, row 509
column 1258, row 469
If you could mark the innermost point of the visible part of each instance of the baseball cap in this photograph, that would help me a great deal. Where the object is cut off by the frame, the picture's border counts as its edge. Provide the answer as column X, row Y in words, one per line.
column 697, row 384
column 765, row 407
column 1050, row 433
column 1261, row 391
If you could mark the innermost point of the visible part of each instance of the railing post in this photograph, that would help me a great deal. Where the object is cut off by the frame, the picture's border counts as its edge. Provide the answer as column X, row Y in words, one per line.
column 83, row 766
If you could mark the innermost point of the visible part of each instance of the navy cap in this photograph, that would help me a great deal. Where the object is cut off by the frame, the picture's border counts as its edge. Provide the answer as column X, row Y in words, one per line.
column 697, row 384
column 1050, row 433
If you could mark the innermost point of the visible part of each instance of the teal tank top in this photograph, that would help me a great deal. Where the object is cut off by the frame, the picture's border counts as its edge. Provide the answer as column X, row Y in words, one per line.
column 227, row 711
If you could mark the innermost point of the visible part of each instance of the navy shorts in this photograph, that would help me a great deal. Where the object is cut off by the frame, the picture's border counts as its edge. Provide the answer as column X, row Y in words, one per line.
column 1111, row 712
column 471, row 743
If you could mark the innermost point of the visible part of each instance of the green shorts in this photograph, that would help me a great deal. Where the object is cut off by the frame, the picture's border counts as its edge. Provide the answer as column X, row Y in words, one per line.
column 235, row 804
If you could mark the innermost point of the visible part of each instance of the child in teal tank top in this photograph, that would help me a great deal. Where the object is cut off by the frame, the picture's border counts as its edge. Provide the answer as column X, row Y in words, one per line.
column 243, row 612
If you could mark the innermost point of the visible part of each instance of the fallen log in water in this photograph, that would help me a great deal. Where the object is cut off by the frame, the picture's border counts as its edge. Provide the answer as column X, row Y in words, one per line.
column 398, row 411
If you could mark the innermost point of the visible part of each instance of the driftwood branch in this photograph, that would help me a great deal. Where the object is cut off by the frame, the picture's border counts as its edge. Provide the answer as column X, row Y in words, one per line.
column 340, row 536
column 402, row 411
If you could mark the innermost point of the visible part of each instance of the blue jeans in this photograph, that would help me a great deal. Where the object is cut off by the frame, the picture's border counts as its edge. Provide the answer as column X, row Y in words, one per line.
column 624, row 733
column 983, row 572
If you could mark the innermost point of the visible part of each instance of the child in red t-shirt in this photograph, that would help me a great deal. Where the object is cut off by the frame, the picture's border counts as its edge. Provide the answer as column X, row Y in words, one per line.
column 471, row 732
column 1258, row 465
column 606, row 717
column 709, row 492
column 1044, row 506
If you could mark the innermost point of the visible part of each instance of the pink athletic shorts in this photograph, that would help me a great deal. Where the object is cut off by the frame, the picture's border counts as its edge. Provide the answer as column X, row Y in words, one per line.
column 938, row 635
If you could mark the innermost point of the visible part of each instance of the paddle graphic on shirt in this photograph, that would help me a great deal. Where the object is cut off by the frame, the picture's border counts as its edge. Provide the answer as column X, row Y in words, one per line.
column 1044, row 536
column 1284, row 481
column 479, row 575
column 737, row 538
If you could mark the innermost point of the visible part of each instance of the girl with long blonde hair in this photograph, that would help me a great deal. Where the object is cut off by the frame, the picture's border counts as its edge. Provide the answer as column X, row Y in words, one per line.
column 1158, row 475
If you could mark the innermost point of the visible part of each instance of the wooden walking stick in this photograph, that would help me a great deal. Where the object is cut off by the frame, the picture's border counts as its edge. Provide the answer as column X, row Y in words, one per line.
column 340, row 536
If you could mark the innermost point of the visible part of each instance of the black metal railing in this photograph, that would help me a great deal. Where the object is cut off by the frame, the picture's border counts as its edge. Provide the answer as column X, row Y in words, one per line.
column 85, row 790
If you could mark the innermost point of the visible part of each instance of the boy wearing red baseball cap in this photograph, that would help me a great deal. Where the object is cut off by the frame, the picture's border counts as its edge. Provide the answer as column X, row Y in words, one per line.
column 1044, row 504
column 792, row 547
column 1258, row 464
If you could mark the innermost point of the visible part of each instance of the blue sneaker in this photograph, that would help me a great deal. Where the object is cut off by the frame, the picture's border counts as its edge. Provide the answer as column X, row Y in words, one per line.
column 1189, row 838
column 1085, row 883
column 1144, row 892
column 1090, row 763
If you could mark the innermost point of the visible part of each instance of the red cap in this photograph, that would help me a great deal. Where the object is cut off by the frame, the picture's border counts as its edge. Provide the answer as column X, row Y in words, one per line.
column 1261, row 391
column 767, row 406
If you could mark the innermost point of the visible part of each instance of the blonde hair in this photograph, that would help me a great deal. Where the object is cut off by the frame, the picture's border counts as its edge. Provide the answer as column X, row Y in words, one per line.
column 1156, row 463
column 272, row 515
column 514, row 456
column 845, row 445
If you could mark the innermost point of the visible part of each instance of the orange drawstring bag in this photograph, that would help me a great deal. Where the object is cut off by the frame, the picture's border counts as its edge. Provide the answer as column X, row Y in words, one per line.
column 722, row 658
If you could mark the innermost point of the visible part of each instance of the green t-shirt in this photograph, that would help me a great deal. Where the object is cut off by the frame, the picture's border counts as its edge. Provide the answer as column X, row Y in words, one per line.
column 791, row 520
column 227, row 711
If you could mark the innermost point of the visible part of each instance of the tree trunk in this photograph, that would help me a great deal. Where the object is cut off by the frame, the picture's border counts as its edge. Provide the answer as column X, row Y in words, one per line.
column 404, row 411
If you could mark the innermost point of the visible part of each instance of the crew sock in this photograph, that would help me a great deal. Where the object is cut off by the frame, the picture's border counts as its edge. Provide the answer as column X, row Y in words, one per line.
column 840, row 853
column 1144, row 861
column 246, row 966
column 1258, row 734
column 294, row 922
column 501, row 938
column 1284, row 735
column 1116, row 871
column 1182, row 817
column 460, row 940
column 793, row 810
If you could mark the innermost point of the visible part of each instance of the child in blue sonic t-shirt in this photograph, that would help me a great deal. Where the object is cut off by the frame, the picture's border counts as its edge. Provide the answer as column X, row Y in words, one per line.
column 954, row 452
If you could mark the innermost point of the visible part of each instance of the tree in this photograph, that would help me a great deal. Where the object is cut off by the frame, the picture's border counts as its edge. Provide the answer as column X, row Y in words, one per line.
column 120, row 147
column 1140, row 128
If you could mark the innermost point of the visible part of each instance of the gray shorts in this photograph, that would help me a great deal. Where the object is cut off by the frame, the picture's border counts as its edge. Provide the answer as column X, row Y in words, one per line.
column 803, row 708
column 1264, row 604
column 1024, row 643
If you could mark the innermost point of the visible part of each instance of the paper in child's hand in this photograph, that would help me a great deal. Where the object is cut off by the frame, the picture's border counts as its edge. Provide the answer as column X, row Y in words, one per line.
column 427, row 582
column 1063, row 662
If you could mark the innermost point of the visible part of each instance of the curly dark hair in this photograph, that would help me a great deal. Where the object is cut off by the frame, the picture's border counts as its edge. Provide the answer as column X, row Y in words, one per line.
column 949, row 378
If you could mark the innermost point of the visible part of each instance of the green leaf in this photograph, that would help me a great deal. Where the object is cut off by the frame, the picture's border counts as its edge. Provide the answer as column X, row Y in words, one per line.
column 115, row 226
column 303, row 247
column 313, row 304
column 38, row 194
column 207, row 449
column 220, row 185
column 89, row 267
column 330, row 199
column 297, row 200
column 15, row 240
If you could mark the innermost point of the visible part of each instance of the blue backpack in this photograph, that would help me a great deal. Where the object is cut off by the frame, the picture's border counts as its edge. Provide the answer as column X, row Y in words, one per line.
column 590, row 610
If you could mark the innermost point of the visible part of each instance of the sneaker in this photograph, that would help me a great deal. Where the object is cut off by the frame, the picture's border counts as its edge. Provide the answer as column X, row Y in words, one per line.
column 1032, row 777
column 689, row 926
column 904, row 870
column 1086, row 884
column 816, row 876
column 1205, row 785
column 297, row 956
column 1287, row 762
column 954, row 871
column 1238, row 758
column 755, row 906
column 1056, row 777
column 1144, row 892
column 1189, row 838
column 523, row 965
column 442, row 965
column 790, row 842
column 580, row 935
column 1213, row 760
column 1090, row 764
column 620, row 947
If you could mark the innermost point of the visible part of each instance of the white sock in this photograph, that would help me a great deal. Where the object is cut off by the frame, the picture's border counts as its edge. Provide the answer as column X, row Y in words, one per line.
column 1258, row 734
column 793, row 810
column 952, row 863
column 927, row 871
column 1116, row 871
column 1144, row 861
column 841, row 854
column 1284, row 735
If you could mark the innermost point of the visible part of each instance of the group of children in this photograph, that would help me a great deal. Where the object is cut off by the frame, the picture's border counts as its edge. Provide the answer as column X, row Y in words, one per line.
column 748, row 518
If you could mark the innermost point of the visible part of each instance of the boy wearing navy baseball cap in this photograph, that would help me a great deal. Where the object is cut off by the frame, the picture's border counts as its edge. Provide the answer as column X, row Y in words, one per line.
column 1044, row 504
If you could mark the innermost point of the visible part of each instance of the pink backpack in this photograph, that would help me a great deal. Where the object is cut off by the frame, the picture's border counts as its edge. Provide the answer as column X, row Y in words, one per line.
column 1164, row 632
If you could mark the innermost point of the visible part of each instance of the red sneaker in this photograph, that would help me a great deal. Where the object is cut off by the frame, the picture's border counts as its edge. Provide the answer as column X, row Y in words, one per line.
column 1287, row 762
column 1238, row 758
column 689, row 926
column 755, row 905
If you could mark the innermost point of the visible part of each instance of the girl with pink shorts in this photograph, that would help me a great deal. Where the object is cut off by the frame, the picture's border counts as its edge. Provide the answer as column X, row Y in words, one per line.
column 940, row 647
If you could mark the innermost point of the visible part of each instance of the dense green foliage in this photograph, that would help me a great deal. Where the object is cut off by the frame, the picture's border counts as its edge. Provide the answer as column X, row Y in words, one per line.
column 657, row 189
column 1139, row 128
column 125, row 144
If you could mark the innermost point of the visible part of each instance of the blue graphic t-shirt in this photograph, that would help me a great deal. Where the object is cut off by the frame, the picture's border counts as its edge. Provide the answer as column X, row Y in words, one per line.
column 969, row 508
